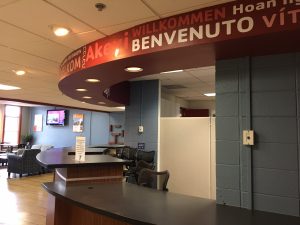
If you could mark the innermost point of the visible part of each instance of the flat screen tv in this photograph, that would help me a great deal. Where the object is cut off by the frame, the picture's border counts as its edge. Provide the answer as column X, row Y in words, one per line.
column 56, row 117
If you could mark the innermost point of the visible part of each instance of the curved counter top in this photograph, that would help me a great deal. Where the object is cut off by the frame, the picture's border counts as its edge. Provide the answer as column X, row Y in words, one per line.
column 65, row 157
column 131, row 204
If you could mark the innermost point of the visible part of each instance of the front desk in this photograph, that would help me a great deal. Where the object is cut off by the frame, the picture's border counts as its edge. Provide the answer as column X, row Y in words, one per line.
column 97, row 168
column 101, row 198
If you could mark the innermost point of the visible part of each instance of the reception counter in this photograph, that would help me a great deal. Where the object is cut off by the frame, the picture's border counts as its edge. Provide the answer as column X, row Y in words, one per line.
column 124, row 204
column 92, row 193
column 96, row 168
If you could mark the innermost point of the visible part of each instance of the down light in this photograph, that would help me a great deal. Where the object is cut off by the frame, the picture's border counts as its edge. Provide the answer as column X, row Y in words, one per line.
column 8, row 87
column 92, row 80
column 173, row 71
column 117, row 52
column 210, row 94
column 86, row 97
column 60, row 31
column 81, row 89
column 20, row 72
column 101, row 103
column 133, row 69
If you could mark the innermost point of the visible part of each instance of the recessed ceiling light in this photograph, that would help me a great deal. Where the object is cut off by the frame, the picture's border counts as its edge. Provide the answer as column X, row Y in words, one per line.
column 20, row 72
column 173, row 71
column 8, row 87
column 92, row 80
column 134, row 69
column 210, row 94
column 117, row 52
column 60, row 31
column 101, row 103
column 121, row 107
column 81, row 89
column 86, row 97
column 83, row 102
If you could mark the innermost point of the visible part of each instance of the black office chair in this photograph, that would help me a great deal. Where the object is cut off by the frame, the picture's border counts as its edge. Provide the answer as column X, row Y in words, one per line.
column 129, row 153
column 110, row 151
column 147, row 156
column 132, row 174
column 152, row 179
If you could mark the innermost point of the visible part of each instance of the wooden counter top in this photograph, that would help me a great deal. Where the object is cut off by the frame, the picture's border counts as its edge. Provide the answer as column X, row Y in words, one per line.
column 133, row 204
column 64, row 157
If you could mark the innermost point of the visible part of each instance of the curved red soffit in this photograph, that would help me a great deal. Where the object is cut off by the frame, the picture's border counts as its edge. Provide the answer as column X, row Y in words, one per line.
column 189, row 40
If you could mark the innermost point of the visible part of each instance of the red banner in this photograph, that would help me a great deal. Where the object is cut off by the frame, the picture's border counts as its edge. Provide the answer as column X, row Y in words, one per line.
column 209, row 25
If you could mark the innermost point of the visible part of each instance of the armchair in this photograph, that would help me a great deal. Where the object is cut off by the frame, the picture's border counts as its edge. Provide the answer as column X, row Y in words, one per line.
column 25, row 163
column 152, row 179
column 133, row 173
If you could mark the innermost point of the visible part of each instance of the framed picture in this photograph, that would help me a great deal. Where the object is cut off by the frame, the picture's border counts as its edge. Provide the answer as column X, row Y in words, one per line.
column 38, row 123
column 77, row 122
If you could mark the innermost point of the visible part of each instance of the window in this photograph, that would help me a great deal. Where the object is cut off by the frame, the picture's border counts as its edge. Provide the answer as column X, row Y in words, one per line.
column 11, row 131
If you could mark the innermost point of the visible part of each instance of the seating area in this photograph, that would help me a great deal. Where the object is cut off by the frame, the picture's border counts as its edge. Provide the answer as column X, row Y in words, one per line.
column 20, row 160
column 141, row 170
column 24, row 162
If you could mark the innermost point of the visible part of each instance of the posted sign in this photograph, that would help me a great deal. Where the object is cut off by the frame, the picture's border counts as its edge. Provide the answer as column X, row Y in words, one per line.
column 80, row 149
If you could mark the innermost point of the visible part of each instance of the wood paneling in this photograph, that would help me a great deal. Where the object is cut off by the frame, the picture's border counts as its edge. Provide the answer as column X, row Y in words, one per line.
column 68, row 214
column 93, row 174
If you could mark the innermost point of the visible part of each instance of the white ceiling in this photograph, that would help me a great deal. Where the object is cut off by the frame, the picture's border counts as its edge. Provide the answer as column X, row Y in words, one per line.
column 193, row 83
column 26, row 40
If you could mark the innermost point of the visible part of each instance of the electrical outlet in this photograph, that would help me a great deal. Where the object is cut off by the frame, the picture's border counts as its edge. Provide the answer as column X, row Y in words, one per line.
column 248, row 137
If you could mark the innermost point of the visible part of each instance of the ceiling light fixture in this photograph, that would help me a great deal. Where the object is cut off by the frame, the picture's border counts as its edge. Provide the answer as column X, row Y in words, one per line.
column 4, row 87
column 81, row 89
column 60, row 31
column 19, row 72
column 210, row 94
column 86, row 97
column 101, row 103
column 134, row 69
column 173, row 71
column 117, row 52
column 92, row 80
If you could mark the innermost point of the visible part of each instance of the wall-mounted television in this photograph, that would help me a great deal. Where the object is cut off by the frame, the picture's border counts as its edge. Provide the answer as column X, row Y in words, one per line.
column 56, row 117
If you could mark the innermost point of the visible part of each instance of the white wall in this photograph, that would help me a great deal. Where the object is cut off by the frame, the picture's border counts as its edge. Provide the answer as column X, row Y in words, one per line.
column 2, row 107
column 203, row 104
column 187, row 150
column 170, row 105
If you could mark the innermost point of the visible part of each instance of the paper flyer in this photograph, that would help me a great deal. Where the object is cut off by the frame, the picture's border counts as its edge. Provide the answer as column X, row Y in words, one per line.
column 80, row 149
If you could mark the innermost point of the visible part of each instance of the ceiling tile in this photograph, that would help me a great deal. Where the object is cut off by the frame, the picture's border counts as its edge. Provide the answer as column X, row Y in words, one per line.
column 15, row 37
column 7, row 2
column 21, row 59
column 78, row 40
column 116, row 12
column 168, row 82
column 178, row 75
column 47, row 50
column 24, row 14
column 170, row 7
column 123, row 26
column 185, row 81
